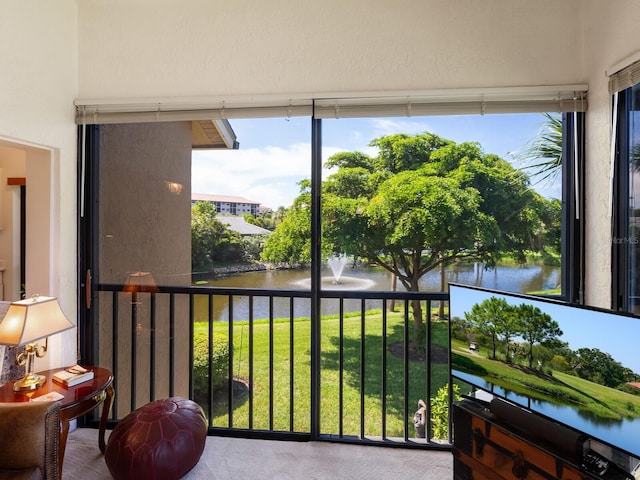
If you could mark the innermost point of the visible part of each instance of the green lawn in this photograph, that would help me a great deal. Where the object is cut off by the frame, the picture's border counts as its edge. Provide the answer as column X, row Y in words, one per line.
column 558, row 388
column 284, row 363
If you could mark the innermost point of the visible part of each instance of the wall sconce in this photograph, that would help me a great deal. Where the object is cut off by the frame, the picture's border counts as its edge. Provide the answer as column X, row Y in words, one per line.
column 175, row 188
column 139, row 282
column 26, row 322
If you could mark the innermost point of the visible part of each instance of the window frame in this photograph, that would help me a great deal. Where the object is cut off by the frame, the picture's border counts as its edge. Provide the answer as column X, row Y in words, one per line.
column 573, row 212
column 573, row 251
column 620, row 285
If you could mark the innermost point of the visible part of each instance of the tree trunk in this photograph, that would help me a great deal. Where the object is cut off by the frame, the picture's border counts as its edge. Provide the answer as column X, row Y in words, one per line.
column 531, row 355
column 417, row 315
column 493, row 342
column 394, row 283
column 442, row 280
column 417, row 322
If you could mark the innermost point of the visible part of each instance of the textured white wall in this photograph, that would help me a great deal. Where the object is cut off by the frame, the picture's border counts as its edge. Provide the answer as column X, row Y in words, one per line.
column 38, row 82
column 38, row 50
column 217, row 48
column 611, row 35
column 53, row 52
column 137, row 48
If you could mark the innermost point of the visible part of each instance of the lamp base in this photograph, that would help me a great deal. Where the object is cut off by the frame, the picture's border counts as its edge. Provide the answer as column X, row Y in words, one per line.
column 32, row 381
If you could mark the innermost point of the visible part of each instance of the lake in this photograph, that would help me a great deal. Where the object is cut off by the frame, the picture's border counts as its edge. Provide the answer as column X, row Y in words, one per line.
column 622, row 433
column 507, row 278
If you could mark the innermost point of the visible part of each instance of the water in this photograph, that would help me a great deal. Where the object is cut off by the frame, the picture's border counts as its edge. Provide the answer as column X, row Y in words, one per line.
column 622, row 433
column 513, row 279
column 336, row 264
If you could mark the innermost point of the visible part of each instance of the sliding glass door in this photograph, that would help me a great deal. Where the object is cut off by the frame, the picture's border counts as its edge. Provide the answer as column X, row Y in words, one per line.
column 626, row 238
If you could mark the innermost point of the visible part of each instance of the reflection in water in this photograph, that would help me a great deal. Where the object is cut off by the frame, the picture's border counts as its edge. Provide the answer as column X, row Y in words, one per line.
column 623, row 432
column 513, row 279
column 343, row 283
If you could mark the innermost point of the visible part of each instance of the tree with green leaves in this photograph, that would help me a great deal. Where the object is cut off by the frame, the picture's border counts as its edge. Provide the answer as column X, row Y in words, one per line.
column 543, row 155
column 266, row 220
column 211, row 240
column 423, row 202
column 291, row 240
column 508, row 326
column 537, row 327
column 203, row 232
column 486, row 319
column 252, row 246
column 600, row 367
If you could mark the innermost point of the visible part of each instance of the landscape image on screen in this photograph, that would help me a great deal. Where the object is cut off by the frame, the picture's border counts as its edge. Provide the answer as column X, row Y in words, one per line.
column 576, row 365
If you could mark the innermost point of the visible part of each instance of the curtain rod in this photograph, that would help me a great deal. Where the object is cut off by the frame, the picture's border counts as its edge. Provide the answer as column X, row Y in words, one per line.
column 304, row 98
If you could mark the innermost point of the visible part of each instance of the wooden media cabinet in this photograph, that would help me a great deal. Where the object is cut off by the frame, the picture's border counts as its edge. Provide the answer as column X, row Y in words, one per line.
column 500, row 441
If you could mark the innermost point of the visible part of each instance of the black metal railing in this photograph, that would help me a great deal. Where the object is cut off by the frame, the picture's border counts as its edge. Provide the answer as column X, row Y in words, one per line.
column 246, row 356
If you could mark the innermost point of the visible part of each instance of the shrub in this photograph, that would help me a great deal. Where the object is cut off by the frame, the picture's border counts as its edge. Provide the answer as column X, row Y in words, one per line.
column 440, row 412
column 219, row 363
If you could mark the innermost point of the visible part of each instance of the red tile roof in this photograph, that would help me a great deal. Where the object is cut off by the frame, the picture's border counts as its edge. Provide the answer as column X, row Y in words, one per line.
column 221, row 198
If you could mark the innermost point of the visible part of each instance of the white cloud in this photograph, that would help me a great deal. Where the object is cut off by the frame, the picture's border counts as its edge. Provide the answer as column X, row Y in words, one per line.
column 269, row 175
column 389, row 126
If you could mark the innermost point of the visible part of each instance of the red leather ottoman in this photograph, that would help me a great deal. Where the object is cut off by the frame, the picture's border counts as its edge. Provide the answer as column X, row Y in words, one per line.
column 161, row 440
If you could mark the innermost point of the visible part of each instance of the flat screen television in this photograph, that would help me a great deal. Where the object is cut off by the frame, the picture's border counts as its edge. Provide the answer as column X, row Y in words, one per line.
column 578, row 366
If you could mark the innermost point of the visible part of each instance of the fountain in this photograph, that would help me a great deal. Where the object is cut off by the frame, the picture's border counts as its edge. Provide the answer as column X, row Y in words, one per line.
column 338, row 281
column 336, row 264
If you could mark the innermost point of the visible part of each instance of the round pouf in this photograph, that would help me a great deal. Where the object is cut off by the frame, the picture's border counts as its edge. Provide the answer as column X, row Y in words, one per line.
column 161, row 440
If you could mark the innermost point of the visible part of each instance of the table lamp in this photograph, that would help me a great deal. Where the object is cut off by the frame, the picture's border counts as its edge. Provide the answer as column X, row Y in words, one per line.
column 139, row 282
column 26, row 322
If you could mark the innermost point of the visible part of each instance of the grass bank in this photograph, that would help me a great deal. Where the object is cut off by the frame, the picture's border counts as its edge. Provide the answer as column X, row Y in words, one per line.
column 558, row 388
column 362, row 356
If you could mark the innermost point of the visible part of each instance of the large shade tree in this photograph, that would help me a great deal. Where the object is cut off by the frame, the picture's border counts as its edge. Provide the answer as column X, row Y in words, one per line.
column 487, row 318
column 422, row 203
column 537, row 327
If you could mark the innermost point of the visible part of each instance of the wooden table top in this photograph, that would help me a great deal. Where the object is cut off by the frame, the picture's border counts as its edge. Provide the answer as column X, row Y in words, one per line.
column 71, row 395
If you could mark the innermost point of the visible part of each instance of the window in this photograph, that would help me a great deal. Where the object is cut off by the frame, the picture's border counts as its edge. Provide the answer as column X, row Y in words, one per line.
column 626, row 237
column 546, row 223
column 138, row 194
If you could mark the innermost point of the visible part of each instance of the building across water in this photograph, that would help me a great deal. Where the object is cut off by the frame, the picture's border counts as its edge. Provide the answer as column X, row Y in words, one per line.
column 228, row 203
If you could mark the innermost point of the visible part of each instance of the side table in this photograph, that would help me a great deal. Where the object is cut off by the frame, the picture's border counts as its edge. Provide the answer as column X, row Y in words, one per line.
column 78, row 400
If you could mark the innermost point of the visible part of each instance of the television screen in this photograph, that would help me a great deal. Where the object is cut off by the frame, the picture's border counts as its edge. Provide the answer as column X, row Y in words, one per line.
column 579, row 366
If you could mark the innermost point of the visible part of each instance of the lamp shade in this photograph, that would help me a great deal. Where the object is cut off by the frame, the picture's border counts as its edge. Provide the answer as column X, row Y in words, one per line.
column 140, row 282
column 30, row 320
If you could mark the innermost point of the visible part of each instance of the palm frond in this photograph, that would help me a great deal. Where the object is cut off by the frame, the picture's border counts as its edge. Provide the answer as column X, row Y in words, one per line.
column 541, row 157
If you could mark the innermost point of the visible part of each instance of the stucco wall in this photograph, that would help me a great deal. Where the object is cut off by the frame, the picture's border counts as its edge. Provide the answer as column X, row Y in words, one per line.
column 54, row 52
column 145, row 227
column 38, row 81
column 203, row 47
column 610, row 36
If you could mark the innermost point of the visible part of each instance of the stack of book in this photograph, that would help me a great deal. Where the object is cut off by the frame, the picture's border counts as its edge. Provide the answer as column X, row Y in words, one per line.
column 71, row 376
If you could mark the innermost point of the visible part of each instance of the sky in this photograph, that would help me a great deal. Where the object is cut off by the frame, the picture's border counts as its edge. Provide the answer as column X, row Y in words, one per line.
column 615, row 334
column 275, row 153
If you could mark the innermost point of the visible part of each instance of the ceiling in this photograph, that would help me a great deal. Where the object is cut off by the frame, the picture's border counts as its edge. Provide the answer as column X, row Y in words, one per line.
column 213, row 134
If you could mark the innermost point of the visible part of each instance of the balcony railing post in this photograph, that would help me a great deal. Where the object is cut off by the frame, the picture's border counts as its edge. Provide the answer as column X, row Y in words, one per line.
column 369, row 406
column 316, row 261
